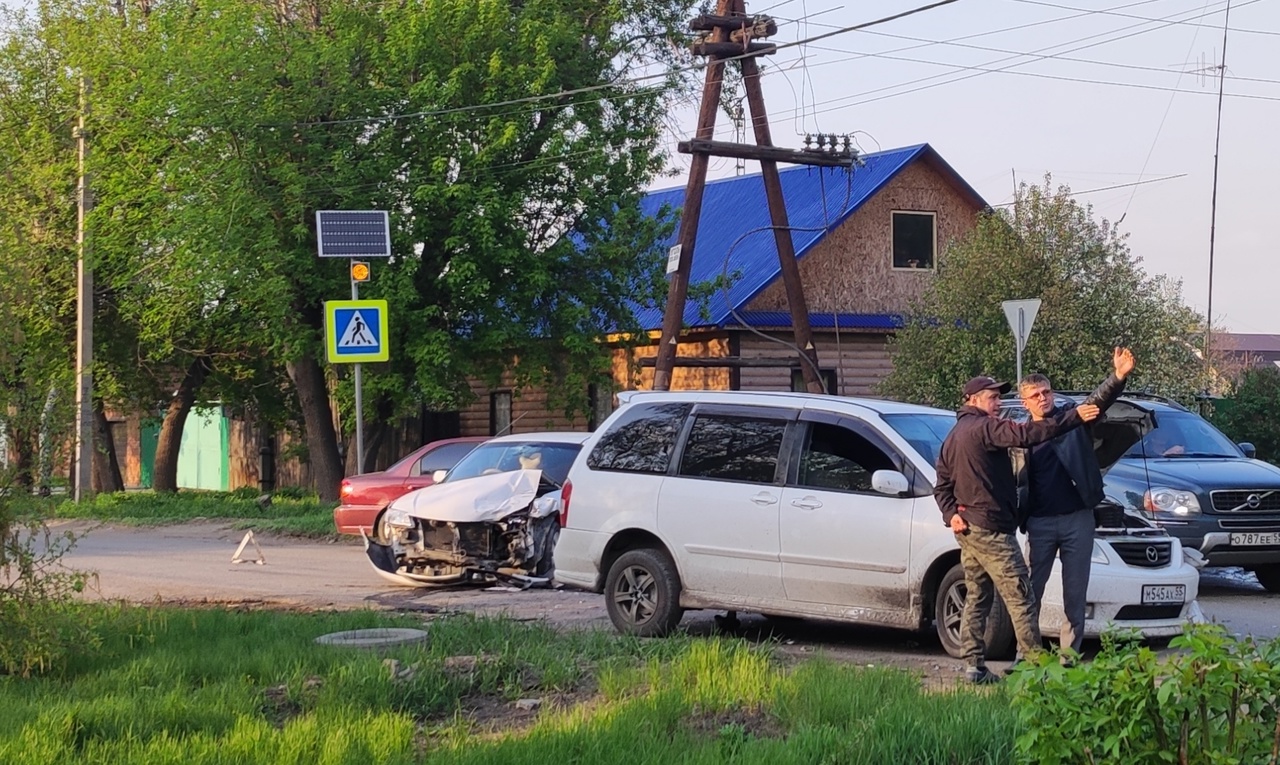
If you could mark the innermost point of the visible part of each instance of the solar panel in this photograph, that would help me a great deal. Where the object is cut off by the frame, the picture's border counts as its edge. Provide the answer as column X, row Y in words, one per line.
column 353, row 233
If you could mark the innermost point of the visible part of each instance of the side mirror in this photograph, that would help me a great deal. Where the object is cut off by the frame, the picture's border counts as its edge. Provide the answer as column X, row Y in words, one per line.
column 890, row 482
column 1249, row 449
column 439, row 475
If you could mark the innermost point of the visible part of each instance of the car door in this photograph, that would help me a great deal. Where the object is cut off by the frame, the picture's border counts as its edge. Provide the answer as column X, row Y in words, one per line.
column 719, row 509
column 841, row 542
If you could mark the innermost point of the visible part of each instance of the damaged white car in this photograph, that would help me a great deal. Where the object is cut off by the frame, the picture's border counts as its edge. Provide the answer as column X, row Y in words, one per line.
column 492, row 518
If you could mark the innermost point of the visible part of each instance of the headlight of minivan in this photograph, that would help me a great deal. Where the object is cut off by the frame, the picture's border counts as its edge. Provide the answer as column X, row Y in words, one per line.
column 1160, row 499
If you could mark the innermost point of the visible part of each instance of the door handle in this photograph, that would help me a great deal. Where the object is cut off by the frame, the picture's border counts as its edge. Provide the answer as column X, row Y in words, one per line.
column 764, row 498
column 808, row 503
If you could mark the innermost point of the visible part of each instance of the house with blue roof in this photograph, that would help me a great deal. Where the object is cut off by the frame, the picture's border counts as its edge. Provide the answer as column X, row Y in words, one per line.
column 867, row 241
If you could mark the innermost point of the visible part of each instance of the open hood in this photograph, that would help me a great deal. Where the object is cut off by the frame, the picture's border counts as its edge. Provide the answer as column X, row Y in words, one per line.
column 1123, row 425
column 483, row 499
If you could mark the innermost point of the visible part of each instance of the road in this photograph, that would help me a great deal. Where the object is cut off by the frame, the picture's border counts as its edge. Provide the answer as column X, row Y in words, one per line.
column 191, row 563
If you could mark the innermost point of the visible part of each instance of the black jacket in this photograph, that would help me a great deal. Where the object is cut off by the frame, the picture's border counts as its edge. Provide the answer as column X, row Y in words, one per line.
column 975, row 476
column 1074, row 450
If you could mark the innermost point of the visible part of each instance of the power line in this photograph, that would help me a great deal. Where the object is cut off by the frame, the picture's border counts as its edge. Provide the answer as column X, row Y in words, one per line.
column 1144, row 18
column 981, row 70
column 1111, row 188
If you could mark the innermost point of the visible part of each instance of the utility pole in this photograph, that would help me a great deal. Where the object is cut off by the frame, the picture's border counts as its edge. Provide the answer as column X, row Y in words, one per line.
column 732, row 33
column 678, row 289
column 1213, row 205
column 84, row 311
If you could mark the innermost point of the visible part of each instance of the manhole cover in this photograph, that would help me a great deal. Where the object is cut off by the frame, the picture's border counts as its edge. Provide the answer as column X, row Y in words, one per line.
column 373, row 638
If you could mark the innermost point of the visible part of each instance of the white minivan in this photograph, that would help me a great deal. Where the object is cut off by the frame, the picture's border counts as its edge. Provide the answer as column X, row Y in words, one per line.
column 814, row 506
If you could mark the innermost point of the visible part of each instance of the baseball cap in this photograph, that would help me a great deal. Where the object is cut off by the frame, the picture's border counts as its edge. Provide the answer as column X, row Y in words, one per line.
column 528, row 450
column 981, row 383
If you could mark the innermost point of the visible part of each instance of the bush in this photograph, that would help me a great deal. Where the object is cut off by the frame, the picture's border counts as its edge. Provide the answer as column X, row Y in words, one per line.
column 1213, row 701
column 41, row 621
column 1253, row 413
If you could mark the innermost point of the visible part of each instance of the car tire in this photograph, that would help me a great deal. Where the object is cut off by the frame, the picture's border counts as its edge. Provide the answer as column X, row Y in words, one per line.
column 380, row 533
column 1268, row 576
column 642, row 593
column 948, row 605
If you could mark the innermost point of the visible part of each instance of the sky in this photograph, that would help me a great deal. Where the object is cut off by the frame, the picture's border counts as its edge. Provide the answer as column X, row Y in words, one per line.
column 1110, row 97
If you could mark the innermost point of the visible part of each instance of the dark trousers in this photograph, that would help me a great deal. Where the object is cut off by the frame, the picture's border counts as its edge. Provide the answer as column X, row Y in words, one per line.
column 993, row 563
column 1070, row 538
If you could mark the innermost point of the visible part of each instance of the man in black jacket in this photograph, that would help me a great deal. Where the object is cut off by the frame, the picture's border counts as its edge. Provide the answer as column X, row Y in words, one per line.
column 977, row 495
column 1061, row 484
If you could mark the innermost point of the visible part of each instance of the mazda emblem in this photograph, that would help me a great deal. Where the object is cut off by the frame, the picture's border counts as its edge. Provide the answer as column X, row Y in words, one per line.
column 1254, row 501
column 1153, row 554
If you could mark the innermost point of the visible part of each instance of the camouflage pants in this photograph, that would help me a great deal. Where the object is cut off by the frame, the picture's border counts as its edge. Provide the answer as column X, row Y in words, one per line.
column 993, row 563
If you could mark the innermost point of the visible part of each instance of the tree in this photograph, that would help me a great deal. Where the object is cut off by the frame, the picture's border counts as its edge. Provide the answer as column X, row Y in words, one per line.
column 1095, row 296
column 1252, row 412
column 221, row 126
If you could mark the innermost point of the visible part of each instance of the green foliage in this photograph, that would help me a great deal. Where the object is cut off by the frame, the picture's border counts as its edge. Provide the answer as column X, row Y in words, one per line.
column 1213, row 701
column 1252, row 411
column 1095, row 295
column 290, row 511
column 174, row 685
column 41, row 623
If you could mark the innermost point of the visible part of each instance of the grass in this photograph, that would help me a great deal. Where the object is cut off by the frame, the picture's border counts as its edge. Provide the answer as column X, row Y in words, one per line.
column 216, row 686
column 290, row 512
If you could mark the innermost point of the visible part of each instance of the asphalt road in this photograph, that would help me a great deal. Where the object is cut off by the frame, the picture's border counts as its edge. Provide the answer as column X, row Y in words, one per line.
column 192, row 563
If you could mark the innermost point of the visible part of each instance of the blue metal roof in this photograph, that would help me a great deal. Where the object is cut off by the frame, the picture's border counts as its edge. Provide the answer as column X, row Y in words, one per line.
column 819, row 320
column 734, row 238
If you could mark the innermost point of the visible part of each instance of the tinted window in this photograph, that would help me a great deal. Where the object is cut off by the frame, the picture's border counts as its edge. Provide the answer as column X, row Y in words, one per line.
column 924, row 432
column 640, row 440
column 443, row 458
column 504, row 456
column 733, row 448
column 1183, row 434
column 840, row 459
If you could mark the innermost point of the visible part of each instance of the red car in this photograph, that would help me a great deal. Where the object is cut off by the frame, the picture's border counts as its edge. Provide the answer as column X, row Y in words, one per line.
column 364, row 496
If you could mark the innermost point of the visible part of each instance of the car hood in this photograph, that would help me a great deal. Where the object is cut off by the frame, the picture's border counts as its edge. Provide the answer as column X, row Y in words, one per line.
column 483, row 499
column 1124, row 425
column 1208, row 474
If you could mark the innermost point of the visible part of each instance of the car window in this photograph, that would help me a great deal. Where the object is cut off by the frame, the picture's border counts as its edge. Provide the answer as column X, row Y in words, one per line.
column 503, row 457
column 733, row 448
column 837, row 458
column 1183, row 434
column 442, row 458
column 925, row 432
column 640, row 440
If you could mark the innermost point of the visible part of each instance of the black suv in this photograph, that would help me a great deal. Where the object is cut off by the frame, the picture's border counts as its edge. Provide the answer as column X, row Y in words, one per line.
column 1189, row 478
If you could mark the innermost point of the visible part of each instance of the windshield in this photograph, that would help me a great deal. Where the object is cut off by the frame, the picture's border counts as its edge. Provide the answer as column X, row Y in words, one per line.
column 1183, row 434
column 553, row 459
column 924, row 432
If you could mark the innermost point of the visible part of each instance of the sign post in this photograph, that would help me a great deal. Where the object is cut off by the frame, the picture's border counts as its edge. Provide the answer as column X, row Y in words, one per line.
column 355, row 234
column 1021, row 315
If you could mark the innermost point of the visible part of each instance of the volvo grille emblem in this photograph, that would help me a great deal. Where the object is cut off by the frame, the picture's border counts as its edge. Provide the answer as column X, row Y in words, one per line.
column 1153, row 554
column 1254, row 501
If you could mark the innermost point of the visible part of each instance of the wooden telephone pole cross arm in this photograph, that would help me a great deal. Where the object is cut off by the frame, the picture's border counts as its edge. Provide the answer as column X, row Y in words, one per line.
column 732, row 31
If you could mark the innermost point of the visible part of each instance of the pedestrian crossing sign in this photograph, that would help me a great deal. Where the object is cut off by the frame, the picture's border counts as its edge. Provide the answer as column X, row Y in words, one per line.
column 356, row 331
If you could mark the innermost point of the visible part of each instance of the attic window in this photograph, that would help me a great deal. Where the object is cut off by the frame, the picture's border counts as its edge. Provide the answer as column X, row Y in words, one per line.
column 915, row 240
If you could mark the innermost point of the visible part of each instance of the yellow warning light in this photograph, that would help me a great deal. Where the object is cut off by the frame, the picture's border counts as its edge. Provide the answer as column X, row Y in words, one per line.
column 359, row 271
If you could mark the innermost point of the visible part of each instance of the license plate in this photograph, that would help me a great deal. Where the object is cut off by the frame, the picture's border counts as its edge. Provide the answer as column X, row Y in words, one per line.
column 1153, row 594
column 1255, row 539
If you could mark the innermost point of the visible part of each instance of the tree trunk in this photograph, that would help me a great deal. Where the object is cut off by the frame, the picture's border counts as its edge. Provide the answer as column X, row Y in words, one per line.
column 22, row 450
column 374, row 436
column 317, row 417
column 165, row 474
column 106, row 466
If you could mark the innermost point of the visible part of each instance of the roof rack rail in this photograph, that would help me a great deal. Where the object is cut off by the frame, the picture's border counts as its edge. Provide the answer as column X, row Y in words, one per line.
column 1142, row 395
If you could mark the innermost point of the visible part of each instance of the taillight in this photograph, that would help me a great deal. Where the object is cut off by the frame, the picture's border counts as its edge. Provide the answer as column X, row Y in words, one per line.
column 564, row 504
column 345, row 488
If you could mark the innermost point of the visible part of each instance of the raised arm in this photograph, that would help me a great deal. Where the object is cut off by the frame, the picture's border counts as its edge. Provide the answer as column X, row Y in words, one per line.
column 1106, row 394
column 1001, row 433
